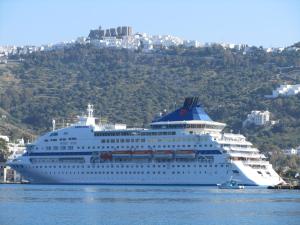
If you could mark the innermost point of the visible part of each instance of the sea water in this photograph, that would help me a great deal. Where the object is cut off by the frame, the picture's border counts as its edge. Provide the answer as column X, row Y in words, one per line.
column 137, row 205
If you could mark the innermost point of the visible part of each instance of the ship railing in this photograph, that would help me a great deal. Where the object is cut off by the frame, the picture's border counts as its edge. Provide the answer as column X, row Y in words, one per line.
column 250, row 149
column 260, row 162
column 248, row 153
column 242, row 154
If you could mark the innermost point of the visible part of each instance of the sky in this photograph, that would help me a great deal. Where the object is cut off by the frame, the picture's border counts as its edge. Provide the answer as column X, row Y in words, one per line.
column 268, row 23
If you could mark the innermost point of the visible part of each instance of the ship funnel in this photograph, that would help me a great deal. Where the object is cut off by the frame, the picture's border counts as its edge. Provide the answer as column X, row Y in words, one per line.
column 190, row 102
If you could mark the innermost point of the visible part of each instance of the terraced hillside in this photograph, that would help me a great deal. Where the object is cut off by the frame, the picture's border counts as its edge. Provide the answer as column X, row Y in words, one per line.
column 132, row 87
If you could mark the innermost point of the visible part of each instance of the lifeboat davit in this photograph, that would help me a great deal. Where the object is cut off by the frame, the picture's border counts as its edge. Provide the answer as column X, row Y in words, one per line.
column 105, row 156
column 142, row 154
column 185, row 154
column 163, row 154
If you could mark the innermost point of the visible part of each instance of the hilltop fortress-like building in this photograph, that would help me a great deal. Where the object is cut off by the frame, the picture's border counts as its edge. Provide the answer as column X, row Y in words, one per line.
column 111, row 32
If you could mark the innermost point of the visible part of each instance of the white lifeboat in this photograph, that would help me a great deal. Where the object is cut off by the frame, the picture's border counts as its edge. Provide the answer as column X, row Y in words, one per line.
column 121, row 154
column 186, row 154
column 163, row 154
column 142, row 154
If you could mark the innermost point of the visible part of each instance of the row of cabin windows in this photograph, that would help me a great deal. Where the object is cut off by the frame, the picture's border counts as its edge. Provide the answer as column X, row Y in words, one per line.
column 58, row 148
column 132, row 166
column 133, row 133
column 125, row 172
column 139, row 140
column 56, row 134
column 61, row 139
column 120, row 147
column 130, row 172
column 232, row 145
column 184, row 126
column 206, row 159
column 122, row 140
column 158, row 146
column 177, row 139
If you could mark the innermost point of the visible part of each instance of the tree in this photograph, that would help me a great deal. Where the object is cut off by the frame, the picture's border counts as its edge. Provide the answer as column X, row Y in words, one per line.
column 4, row 153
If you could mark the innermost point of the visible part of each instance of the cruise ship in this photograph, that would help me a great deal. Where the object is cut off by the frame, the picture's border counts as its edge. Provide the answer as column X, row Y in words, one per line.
column 183, row 147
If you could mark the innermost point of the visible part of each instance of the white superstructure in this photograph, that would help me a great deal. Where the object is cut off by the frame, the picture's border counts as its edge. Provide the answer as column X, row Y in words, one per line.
column 183, row 147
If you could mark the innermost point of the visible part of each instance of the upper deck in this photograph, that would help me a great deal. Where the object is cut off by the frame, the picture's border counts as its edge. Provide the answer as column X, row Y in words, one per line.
column 190, row 116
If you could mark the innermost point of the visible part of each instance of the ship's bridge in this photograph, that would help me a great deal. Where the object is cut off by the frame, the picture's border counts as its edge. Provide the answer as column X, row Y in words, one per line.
column 190, row 116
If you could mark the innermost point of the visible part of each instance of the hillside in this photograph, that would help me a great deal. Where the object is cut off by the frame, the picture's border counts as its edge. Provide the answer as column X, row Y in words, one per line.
column 9, row 125
column 132, row 87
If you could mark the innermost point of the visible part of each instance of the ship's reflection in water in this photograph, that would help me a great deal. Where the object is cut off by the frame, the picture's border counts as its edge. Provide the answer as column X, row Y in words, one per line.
column 61, row 204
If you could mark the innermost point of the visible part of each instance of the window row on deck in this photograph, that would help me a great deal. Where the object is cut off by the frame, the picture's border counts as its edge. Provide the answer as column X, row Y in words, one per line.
column 185, row 126
column 132, row 133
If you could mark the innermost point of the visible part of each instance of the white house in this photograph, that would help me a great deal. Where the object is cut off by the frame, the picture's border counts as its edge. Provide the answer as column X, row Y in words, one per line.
column 5, row 138
column 258, row 118
column 191, row 43
column 291, row 151
column 16, row 148
column 286, row 90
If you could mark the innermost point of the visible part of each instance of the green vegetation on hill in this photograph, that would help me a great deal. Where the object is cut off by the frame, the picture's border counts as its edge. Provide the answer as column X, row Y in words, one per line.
column 132, row 87
column 3, row 150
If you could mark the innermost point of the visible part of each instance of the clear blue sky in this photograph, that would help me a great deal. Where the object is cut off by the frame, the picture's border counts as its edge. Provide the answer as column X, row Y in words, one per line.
column 271, row 23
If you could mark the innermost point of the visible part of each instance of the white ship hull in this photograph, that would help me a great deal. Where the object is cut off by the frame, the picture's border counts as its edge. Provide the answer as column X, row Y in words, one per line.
column 184, row 147
column 150, row 173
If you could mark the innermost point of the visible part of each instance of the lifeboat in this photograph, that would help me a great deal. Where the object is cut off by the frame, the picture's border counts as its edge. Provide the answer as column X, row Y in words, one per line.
column 105, row 156
column 121, row 154
column 185, row 154
column 142, row 154
column 163, row 154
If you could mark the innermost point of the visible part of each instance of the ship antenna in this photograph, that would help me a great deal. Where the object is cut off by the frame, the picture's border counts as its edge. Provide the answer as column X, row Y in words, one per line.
column 53, row 125
column 90, row 110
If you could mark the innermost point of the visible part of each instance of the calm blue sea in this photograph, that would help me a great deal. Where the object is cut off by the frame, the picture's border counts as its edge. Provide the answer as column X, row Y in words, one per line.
column 137, row 205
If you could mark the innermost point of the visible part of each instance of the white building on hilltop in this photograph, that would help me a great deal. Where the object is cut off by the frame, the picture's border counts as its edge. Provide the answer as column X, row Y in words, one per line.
column 286, row 90
column 258, row 118
column 192, row 43
column 5, row 138
column 291, row 151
